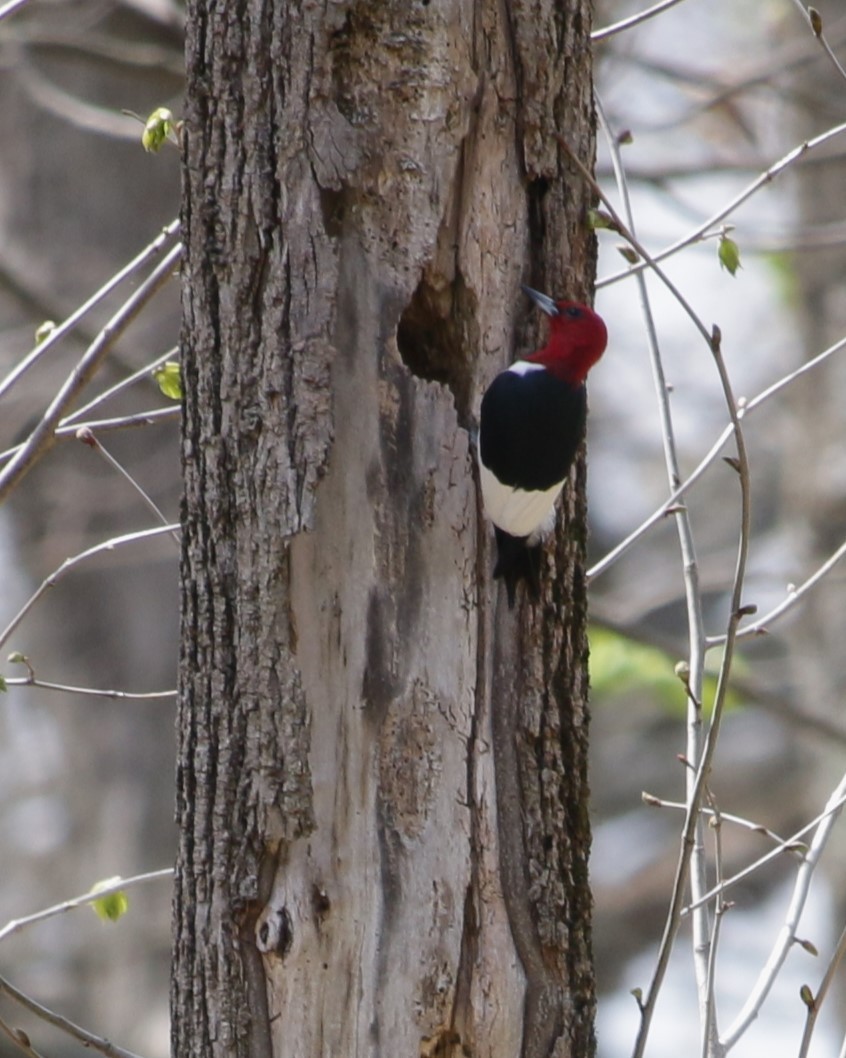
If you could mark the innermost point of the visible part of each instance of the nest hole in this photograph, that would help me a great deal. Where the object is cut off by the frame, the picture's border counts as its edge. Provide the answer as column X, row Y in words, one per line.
column 437, row 339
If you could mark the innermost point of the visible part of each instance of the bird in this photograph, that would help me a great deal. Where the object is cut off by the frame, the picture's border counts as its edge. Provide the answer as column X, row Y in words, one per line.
column 531, row 422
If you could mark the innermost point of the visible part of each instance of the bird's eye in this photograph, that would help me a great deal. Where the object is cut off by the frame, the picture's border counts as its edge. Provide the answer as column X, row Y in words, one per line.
column 573, row 312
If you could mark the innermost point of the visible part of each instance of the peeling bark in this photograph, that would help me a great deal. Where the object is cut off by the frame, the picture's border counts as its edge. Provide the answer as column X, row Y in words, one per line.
column 382, row 784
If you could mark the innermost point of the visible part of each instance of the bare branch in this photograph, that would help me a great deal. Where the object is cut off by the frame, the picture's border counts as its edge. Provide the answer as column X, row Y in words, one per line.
column 703, row 766
column 695, row 797
column 10, row 7
column 794, row 595
column 87, row 437
column 815, row 21
column 765, row 178
column 86, row 1038
column 632, row 20
column 744, row 409
column 17, row 924
column 121, row 422
column 693, row 598
column 726, row 817
column 791, row 844
column 143, row 374
column 138, row 262
column 710, row 1039
column 70, row 563
column 92, row 692
column 821, row 993
column 20, row 1039
column 44, row 433
column 787, row 934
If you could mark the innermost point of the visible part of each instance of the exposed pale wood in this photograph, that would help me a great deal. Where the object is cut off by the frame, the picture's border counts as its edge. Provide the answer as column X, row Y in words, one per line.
column 383, row 794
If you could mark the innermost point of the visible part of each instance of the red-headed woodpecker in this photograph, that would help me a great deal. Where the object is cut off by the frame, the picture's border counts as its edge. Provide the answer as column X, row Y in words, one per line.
column 531, row 423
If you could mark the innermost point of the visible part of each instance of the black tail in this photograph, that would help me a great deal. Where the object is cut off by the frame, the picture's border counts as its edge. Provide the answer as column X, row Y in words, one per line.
column 517, row 561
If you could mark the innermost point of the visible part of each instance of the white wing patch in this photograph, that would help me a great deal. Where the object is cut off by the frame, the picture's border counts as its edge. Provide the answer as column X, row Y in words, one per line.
column 524, row 367
column 517, row 511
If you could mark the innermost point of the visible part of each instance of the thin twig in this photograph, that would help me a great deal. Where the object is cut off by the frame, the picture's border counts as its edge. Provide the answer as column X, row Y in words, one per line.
column 632, row 20
column 86, row 1038
column 43, row 434
column 10, row 8
column 105, row 425
column 822, row 991
column 747, row 408
column 20, row 1039
column 761, row 181
column 761, row 624
column 647, row 259
column 87, row 437
column 91, row 692
column 69, row 563
column 55, row 335
column 631, row 626
column 791, row 844
column 710, row 1037
column 120, row 422
column 725, row 817
column 735, row 614
column 792, row 376
column 787, row 933
column 736, row 602
column 142, row 374
column 17, row 924
column 693, row 595
column 815, row 23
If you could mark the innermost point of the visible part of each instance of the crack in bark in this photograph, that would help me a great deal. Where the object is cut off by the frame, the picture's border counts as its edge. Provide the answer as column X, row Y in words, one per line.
column 541, row 1011
column 468, row 950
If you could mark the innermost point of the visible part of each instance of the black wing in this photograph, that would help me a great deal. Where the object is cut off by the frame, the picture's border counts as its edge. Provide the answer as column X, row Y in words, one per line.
column 530, row 427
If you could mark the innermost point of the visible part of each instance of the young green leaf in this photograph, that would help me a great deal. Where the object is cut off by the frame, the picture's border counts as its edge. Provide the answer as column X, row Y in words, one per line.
column 113, row 906
column 158, row 128
column 169, row 378
column 729, row 254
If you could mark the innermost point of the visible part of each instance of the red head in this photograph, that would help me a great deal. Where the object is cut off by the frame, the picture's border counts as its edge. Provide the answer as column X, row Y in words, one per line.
column 577, row 338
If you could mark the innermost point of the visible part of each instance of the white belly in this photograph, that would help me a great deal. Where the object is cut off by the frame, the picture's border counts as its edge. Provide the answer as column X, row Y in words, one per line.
column 516, row 511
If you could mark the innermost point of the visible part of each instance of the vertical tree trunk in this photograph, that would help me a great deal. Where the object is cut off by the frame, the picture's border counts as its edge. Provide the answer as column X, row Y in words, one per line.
column 382, row 788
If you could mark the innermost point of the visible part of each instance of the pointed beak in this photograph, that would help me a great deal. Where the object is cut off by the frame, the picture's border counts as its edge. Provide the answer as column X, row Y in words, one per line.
column 543, row 301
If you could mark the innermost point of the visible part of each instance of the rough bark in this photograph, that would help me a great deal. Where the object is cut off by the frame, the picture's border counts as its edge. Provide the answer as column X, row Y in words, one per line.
column 382, row 788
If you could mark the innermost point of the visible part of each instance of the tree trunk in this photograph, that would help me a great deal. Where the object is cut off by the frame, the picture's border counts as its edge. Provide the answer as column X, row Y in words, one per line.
column 382, row 777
